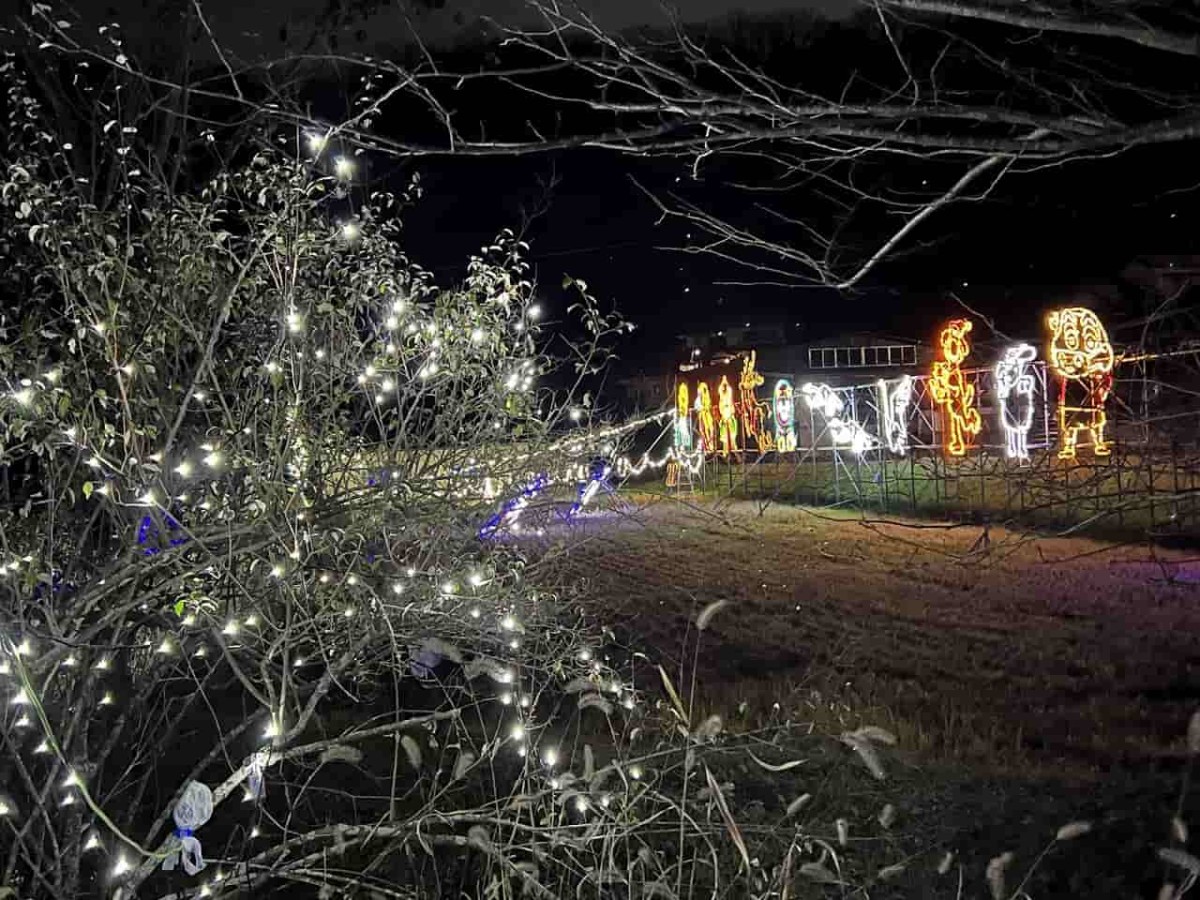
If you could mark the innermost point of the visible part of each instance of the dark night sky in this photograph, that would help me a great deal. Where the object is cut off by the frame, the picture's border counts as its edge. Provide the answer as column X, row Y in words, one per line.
column 1035, row 238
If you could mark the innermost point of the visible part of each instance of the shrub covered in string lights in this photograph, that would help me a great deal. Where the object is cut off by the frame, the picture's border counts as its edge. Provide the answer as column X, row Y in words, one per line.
column 245, row 619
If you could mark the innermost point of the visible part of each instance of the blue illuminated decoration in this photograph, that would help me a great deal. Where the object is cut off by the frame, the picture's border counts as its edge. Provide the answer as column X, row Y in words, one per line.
column 511, row 511
column 598, row 472
column 149, row 535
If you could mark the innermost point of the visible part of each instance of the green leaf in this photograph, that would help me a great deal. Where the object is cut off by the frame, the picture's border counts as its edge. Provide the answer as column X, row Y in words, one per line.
column 179, row 607
column 88, row 487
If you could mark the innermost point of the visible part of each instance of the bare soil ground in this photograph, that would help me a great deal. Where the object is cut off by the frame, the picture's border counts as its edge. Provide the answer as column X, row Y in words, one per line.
column 995, row 650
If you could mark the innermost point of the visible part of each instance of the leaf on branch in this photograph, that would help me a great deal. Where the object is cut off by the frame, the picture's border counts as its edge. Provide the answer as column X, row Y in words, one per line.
column 411, row 750
column 342, row 753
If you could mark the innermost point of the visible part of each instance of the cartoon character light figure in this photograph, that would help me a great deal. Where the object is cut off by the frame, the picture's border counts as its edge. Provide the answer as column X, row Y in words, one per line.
column 683, row 425
column 893, row 413
column 950, row 389
column 704, row 418
column 1082, row 358
column 842, row 430
column 753, row 413
column 785, row 414
column 728, row 412
column 1014, row 390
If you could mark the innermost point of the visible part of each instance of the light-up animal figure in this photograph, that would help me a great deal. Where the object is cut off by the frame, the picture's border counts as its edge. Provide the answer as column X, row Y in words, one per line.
column 683, row 425
column 753, row 413
column 1082, row 358
column 704, row 418
column 950, row 389
column 728, row 412
column 597, row 479
column 823, row 398
column 784, row 403
column 1014, row 390
column 893, row 413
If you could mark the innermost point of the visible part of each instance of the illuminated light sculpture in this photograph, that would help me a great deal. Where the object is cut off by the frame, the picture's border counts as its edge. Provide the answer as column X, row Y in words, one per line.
column 753, row 413
column 784, row 404
column 683, row 425
column 893, row 413
column 950, row 389
column 598, row 472
column 1014, row 390
column 1082, row 358
column 824, row 399
column 728, row 412
column 704, row 417
column 511, row 511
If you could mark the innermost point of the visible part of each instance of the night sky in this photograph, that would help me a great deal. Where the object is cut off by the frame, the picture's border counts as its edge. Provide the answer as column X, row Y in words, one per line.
column 1037, row 239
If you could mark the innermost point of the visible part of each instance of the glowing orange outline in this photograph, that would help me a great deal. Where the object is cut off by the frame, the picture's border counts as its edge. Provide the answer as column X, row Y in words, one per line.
column 704, row 416
column 728, row 411
column 951, row 391
column 1081, row 354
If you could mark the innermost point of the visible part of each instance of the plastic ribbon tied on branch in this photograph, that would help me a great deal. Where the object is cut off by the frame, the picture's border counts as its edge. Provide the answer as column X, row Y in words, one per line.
column 193, row 810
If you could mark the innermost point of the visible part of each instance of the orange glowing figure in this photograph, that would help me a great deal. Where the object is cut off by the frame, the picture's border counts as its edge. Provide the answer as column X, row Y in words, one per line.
column 1082, row 358
column 950, row 389
column 728, row 411
column 753, row 413
column 704, row 418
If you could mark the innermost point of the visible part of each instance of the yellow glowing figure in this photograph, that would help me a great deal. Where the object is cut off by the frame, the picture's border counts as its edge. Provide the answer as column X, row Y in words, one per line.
column 753, row 413
column 683, row 425
column 1082, row 358
column 704, row 418
column 728, row 411
column 950, row 389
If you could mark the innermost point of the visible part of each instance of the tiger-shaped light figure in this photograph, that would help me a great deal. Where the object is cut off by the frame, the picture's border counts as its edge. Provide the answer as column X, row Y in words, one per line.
column 1014, row 391
column 1082, row 358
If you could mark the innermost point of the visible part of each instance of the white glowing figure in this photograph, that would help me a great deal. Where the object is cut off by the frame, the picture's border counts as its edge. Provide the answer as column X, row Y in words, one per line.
column 785, row 407
column 825, row 399
column 893, row 413
column 1014, row 389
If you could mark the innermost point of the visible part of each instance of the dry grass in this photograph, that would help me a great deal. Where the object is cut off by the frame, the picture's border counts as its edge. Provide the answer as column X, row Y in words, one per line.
column 1066, row 654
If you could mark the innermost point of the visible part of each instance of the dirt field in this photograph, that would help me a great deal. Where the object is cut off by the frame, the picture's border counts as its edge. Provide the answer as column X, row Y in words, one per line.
column 996, row 650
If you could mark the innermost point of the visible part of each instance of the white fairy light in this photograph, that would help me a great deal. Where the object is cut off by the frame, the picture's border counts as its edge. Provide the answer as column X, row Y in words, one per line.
column 72, row 779
column 277, row 571
column 25, row 648
column 103, row 665
column 165, row 646
column 212, row 460
column 550, row 757
column 477, row 335
column 316, row 142
column 251, row 621
column 506, row 698
column 518, row 732
column 23, row 396
column 71, row 661
column 147, row 499
column 43, row 747
column 254, row 832
column 391, row 323
column 189, row 620
column 534, row 312
column 295, row 322
column 92, row 842
column 272, row 730
column 127, row 370
column 121, row 867
column 397, row 587
column 184, row 469
column 343, row 168
column 21, row 698
column 231, row 627
column 508, row 623
column 22, row 722
column 107, row 699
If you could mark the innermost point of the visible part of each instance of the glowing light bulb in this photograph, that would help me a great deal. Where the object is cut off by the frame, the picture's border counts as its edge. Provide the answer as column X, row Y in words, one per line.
column 121, row 867
column 343, row 168
column 25, row 648
column 21, row 698
column 147, row 499
column 92, row 842
column 165, row 646
column 213, row 459
column 272, row 729
column 350, row 231
column 518, row 732
column 231, row 627
column 392, row 323
column 316, row 142
column 184, row 469
column 23, row 396
column 550, row 756
column 104, row 665
column 295, row 322
column 534, row 312
column 397, row 587
column 107, row 699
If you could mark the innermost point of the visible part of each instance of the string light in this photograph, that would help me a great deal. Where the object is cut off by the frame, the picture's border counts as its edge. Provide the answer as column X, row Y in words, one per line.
column 950, row 390
column 1014, row 391
column 1082, row 358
